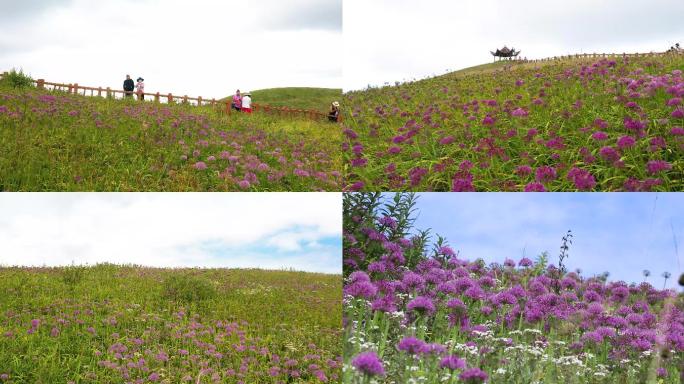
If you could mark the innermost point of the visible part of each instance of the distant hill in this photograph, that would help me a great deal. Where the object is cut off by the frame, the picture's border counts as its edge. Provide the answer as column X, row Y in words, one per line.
column 298, row 97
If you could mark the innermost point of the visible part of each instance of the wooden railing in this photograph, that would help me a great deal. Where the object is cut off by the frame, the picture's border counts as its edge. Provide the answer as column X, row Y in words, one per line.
column 158, row 97
column 593, row 56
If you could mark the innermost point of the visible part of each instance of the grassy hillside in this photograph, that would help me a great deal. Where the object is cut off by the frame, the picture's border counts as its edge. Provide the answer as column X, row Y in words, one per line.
column 423, row 314
column 299, row 98
column 581, row 124
column 55, row 141
column 115, row 324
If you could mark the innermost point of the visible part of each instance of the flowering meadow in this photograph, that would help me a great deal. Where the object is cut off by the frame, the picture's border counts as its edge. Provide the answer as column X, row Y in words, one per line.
column 60, row 142
column 610, row 124
column 124, row 324
column 417, row 312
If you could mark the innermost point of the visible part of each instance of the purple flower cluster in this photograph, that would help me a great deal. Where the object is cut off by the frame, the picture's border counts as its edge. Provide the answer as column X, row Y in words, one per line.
column 440, row 299
column 533, row 132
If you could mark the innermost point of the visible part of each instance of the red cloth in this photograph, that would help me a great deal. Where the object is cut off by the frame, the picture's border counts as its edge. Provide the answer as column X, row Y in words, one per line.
column 246, row 110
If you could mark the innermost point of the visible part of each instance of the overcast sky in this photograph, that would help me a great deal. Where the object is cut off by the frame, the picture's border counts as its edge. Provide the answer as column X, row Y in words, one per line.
column 202, row 48
column 397, row 40
column 622, row 233
column 260, row 230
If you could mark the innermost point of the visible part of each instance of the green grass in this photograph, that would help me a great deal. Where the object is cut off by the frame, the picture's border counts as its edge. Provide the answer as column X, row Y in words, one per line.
column 298, row 97
column 83, row 314
column 60, row 142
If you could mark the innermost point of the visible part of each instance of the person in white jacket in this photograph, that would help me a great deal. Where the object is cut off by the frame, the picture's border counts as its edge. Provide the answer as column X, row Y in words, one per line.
column 246, row 102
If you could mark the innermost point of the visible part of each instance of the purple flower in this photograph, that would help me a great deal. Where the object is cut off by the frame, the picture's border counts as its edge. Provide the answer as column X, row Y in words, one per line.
column 422, row 305
column 363, row 289
column 411, row 345
column 301, row 172
column 519, row 112
column 358, row 277
column 535, row 187
column 388, row 222
column 625, row 142
column 369, row 364
column 154, row 376
column 655, row 166
column 243, row 184
column 457, row 306
column 525, row 262
column 583, row 179
column 473, row 376
column 523, row 170
column 545, row 174
column 677, row 131
column 447, row 140
column 599, row 136
column 452, row 362
column 674, row 101
column 488, row 120
column 678, row 113
column 634, row 125
column 200, row 165
column 463, row 184
column 609, row 154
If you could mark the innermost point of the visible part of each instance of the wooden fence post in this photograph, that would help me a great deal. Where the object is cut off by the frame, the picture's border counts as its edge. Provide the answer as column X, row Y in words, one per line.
column 156, row 97
column 76, row 89
column 228, row 111
column 170, row 98
column 199, row 101
column 185, row 99
column 40, row 84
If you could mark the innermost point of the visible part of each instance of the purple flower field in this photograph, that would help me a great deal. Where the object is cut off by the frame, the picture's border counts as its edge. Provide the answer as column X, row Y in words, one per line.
column 417, row 312
column 54, row 141
column 578, row 125
column 111, row 324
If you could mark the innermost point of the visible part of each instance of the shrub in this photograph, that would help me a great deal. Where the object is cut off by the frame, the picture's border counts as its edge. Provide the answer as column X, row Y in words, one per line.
column 16, row 79
column 187, row 289
column 73, row 275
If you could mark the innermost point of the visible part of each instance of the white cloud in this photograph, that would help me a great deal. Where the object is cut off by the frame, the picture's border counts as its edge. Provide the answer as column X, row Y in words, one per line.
column 164, row 229
column 390, row 40
column 620, row 233
column 207, row 48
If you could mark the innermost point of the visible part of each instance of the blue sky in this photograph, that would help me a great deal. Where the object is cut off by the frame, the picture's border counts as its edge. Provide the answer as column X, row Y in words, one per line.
column 623, row 233
column 300, row 231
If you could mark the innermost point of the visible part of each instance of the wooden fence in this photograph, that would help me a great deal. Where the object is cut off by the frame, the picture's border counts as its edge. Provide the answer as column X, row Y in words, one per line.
column 225, row 105
column 593, row 56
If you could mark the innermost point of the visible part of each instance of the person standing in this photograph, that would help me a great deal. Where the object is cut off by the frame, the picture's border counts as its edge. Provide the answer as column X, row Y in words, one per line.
column 237, row 101
column 128, row 86
column 246, row 103
column 140, row 87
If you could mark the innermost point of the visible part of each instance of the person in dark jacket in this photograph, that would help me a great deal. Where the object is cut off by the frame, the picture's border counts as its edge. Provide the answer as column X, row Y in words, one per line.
column 128, row 86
